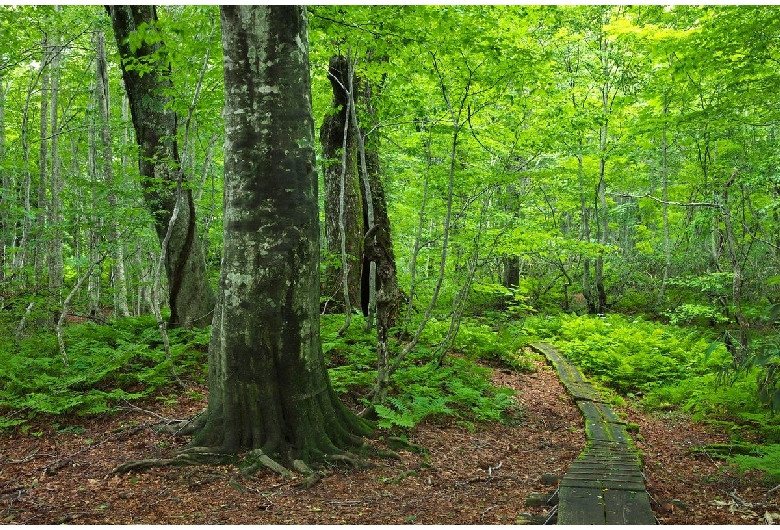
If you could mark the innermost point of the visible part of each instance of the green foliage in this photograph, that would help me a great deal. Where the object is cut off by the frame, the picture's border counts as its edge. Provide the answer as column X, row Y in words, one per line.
column 764, row 458
column 408, row 413
column 635, row 355
column 476, row 340
column 459, row 388
column 122, row 361
column 351, row 359
column 761, row 364
column 693, row 313
column 422, row 388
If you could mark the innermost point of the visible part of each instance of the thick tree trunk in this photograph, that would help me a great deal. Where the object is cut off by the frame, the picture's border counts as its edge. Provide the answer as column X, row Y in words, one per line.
column 344, row 220
column 511, row 272
column 268, row 386
column 190, row 296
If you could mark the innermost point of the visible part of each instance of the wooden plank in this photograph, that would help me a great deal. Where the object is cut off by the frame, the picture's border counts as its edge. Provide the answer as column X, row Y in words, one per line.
column 608, row 414
column 630, row 482
column 581, row 506
column 605, row 484
column 628, row 507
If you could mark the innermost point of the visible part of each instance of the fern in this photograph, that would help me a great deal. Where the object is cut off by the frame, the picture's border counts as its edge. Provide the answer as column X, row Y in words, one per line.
column 409, row 414
column 104, row 361
column 766, row 459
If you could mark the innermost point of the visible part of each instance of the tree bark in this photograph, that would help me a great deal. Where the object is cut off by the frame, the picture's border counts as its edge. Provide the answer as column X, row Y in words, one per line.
column 6, row 191
column 104, row 116
column 55, row 257
column 190, row 296
column 344, row 219
column 268, row 386
column 39, row 248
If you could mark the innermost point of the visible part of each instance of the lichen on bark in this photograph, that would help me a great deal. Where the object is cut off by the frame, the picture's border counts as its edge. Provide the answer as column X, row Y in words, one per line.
column 269, row 390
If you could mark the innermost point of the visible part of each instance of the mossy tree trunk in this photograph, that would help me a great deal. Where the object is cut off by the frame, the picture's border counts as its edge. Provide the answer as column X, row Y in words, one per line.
column 190, row 296
column 268, row 386
column 344, row 203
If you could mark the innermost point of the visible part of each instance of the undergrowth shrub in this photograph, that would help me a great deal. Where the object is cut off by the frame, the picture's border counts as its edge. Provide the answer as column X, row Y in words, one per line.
column 107, row 363
column 496, row 343
column 764, row 458
column 635, row 356
column 421, row 388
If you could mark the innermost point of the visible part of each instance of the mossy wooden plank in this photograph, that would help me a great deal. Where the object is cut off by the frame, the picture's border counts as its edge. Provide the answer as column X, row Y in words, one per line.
column 605, row 484
column 582, row 391
column 628, row 507
column 630, row 481
column 608, row 414
column 581, row 506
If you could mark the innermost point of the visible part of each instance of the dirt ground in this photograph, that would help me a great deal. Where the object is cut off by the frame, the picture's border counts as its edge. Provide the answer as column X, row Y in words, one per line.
column 60, row 475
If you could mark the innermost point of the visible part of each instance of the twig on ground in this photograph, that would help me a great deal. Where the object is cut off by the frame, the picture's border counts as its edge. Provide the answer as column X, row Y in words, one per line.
column 486, row 510
column 771, row 491
column 740, row 500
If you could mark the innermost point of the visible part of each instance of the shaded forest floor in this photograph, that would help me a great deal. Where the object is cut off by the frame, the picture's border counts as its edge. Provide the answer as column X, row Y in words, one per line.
column 51, row 475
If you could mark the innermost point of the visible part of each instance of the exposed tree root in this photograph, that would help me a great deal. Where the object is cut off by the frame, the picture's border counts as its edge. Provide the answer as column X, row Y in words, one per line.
column 188, row 458
column 182, row 427
column 395, row 442
column 256, row 460
column 312, row 477
column 263, row 460
column 350, row 459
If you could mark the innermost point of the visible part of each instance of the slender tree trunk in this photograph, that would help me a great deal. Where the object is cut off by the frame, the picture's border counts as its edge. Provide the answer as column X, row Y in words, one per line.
column 379, row 259
column 103, row 102
column 268, row 386
column 6, row 192
column 665, row 205
column 22, row 257
column 190, row 296
column 603, row 214
column 736, row 268
column 587, row 291
column 56, row 262
column 94, row 219
column 43, row 155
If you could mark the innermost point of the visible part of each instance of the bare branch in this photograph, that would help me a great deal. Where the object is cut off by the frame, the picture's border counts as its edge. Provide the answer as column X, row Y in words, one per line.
column 671, row 203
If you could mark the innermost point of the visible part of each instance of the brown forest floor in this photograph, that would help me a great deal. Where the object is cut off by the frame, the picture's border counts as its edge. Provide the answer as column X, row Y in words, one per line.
column 481, row 477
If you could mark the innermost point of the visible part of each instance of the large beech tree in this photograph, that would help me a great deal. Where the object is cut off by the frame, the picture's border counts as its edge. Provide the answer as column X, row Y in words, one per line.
column 147, row 77
column 268, row 386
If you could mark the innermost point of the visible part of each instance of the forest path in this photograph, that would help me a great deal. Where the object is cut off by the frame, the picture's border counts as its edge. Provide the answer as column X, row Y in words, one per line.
column 605, row 485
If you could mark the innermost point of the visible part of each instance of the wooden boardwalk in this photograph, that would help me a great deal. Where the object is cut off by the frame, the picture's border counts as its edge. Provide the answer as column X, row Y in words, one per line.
column 605, row 484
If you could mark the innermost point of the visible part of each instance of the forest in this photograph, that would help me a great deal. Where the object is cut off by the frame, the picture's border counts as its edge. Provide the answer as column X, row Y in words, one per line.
column 604, row 178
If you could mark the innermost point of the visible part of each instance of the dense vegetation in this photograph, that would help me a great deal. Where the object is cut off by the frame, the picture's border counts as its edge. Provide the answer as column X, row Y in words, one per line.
column 542, row 165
